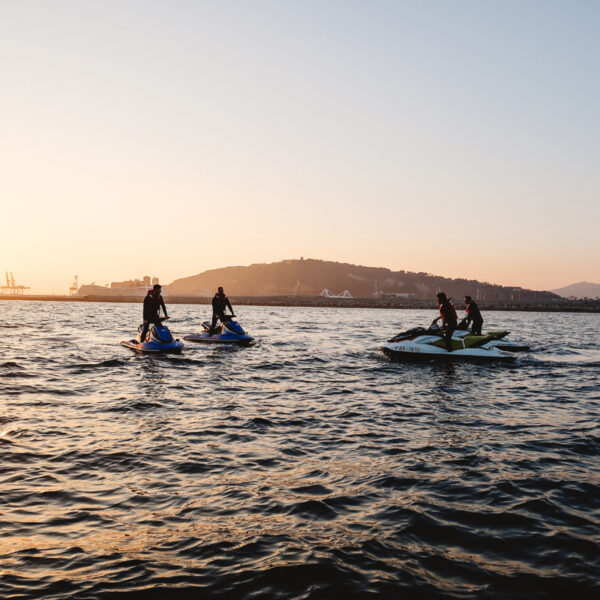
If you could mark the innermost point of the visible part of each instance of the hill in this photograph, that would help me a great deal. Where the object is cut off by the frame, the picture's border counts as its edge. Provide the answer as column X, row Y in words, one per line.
column 309, row 277
column 583, row 289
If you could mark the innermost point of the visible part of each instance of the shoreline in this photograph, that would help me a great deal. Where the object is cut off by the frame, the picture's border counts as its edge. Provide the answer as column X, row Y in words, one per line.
column 577, row 306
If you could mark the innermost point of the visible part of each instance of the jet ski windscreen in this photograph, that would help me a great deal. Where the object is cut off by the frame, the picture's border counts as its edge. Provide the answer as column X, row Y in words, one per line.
column 162, row 334
column 235, row 327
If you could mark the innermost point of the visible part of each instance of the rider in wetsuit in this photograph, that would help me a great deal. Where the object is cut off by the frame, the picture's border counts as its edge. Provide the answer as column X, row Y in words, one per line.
column 219, row 303
column 473, row 315
column 152, row 305
column 449, row 319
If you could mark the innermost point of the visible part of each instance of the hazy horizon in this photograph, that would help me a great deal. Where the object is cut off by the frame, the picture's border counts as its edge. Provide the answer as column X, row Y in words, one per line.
column 167, row 138
column 166, row 282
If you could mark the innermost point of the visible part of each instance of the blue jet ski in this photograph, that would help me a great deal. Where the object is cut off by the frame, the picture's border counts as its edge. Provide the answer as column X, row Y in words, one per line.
column 228, row 332
column 158, row 341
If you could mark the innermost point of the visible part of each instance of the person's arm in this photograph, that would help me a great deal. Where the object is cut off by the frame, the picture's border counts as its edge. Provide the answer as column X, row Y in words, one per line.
column 162, row 303
column 145, row 309
column 229, row 304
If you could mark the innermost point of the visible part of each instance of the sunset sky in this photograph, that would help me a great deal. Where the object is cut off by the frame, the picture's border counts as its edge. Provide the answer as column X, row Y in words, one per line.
column 165, row 138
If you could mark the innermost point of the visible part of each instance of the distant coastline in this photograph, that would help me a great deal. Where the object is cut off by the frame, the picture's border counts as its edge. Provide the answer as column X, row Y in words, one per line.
column 562, row 305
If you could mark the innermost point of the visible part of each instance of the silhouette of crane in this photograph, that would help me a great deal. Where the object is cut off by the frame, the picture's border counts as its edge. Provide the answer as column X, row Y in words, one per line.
column 11, row 287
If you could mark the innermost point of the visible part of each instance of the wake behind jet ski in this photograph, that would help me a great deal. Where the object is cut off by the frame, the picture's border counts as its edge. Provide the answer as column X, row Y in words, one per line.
column 228, row 332
column 157, row 341
column 420, row 343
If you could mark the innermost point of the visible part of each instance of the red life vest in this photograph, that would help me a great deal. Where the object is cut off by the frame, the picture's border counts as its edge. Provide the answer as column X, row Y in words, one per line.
column 452, row 311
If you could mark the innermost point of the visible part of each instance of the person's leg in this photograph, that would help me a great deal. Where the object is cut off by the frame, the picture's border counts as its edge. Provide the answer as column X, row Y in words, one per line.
column 477, row 325
column 155, row 321
column 448, row 336
column 144, row 331
column 213, row 324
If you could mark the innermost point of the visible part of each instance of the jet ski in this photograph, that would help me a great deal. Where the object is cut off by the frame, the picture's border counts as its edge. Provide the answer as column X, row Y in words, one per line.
column 422, row 343
column 158, row 341
column 228, row 332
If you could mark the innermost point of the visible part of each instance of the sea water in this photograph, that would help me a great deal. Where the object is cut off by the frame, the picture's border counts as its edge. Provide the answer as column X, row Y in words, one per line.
column 307, row 466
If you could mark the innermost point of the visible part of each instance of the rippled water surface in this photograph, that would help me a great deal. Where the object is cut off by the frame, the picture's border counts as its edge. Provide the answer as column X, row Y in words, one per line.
column 307, row 466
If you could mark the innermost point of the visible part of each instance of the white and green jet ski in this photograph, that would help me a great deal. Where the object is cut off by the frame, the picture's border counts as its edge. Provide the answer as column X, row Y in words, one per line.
column 421, row 343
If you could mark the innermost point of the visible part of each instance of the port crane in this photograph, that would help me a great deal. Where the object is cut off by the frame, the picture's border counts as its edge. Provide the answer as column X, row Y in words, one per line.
column 11, row 287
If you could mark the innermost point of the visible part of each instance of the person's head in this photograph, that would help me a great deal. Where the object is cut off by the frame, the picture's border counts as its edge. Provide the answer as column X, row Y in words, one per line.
column 220, row 291
column 441, row 297
column 156, row 289
column 468, row 299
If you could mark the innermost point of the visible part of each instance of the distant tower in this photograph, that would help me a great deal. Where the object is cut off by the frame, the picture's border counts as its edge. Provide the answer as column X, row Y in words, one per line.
column 73, row 289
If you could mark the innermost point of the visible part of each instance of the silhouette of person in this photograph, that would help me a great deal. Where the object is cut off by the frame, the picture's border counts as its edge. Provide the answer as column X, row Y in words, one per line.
column 449, row 319
column 219, row 303
column 473, row 315
column 152, row 305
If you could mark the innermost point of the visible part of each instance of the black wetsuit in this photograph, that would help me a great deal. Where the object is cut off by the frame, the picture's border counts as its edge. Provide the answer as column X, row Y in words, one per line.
column 219, row 303
column 152, row 307
column 449, row 322
column 473, row 315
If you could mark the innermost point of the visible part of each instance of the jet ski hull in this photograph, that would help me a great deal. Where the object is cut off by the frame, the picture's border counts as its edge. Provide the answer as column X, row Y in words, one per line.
column 153, row 348
column 409, row 351
column 219, row 339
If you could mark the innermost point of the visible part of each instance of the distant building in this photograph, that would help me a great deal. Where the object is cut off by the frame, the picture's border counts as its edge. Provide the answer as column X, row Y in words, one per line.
column 133, row 283
column 131, row 287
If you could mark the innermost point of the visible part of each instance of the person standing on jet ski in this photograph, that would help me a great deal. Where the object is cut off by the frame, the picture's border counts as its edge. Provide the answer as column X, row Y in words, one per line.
column 152, row 305
column 219, row 303
column 473, row 315
column 449, row 319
